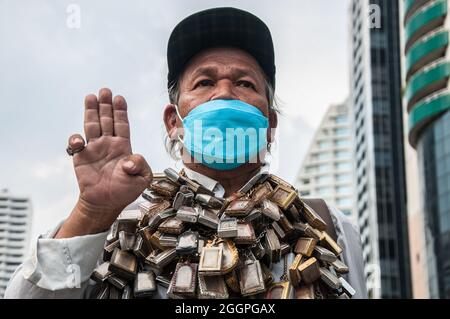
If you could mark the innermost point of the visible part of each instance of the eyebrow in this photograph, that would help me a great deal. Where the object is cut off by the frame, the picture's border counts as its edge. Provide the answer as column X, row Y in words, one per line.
column 212, row 71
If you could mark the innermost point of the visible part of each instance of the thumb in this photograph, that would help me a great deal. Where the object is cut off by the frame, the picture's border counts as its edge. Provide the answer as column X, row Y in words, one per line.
column 135, row 164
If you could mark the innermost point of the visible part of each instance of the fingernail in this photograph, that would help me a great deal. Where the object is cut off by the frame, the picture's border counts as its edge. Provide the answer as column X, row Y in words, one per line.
column 128, row 164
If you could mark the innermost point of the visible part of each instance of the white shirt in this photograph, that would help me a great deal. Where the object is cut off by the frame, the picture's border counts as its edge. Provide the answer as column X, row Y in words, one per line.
column 61, row 268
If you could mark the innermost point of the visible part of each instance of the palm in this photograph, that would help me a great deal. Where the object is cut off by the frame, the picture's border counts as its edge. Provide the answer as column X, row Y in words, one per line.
column 99, row 167
column 100, row 175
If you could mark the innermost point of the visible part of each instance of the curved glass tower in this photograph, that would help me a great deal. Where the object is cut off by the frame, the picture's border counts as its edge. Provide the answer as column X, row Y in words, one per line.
column 427, row 98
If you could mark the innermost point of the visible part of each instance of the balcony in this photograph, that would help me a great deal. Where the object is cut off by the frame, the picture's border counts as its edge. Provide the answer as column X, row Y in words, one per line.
column 425, row 20
column 9, row 268
column 426, row 82
column 424, row 112
column 426, row 50
column 14, row 218
column 16, row 237
column 411, row 7
column 13, row 260
column 18, row 226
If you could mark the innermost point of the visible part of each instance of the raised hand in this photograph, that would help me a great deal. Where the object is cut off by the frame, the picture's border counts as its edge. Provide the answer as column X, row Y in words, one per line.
column 109, row 176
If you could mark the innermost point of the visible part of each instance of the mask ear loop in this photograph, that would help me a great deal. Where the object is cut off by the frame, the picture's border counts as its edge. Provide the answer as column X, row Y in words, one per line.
column 181, row 119
column 178, row 113
column 268, row 156
column 267, row 160
column 179, row 145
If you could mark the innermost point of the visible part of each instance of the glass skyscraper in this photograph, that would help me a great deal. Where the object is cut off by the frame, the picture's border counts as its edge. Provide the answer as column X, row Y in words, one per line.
column 427, row 99
column 376, row 106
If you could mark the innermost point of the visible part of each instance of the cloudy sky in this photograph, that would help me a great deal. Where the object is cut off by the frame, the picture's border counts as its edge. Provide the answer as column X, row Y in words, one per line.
column 46, row 69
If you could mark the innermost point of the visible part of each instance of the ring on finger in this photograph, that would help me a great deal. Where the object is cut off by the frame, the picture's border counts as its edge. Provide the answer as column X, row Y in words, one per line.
column 72, row 152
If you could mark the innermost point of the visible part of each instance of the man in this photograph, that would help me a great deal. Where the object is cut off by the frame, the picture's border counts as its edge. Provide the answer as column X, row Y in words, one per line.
column 221, row 71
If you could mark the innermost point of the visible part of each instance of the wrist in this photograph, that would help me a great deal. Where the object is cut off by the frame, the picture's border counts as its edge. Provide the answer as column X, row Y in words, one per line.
column 87, row 219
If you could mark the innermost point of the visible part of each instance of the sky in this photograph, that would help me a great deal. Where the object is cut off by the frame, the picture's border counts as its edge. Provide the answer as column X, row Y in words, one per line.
column 47, row 66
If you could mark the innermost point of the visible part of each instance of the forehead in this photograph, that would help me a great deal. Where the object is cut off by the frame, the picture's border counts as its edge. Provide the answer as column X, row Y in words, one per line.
column 222, row 60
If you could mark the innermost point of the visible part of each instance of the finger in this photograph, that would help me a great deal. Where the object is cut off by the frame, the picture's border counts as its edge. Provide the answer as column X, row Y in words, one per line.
column 105, row 112
column 92, row 127
column 76, row 141
column 135, row 164
column 121, row 125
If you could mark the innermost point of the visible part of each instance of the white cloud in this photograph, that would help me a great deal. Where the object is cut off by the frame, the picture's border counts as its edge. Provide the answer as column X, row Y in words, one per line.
column 47, row 214
column 59, row 167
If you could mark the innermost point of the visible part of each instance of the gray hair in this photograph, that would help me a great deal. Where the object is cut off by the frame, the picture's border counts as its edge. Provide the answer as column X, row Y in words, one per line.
column 173, row 146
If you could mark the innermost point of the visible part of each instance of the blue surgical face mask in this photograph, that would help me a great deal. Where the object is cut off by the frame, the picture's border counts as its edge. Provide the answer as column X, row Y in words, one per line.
column 224, row 134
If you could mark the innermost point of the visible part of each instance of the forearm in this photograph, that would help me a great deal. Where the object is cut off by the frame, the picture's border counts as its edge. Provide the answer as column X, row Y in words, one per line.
column 57, row 268
column 86, row 219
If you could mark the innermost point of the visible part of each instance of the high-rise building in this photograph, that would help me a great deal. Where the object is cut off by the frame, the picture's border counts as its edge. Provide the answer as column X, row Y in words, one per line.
column 376, row 107
column 427, row 101
column 15, row 226
column 327, row 169
column 417, row 247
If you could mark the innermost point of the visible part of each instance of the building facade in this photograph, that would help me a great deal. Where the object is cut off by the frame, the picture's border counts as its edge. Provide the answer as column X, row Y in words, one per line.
column 15, row 227
column 380, row 182
column 327, row 169
column 427, row 101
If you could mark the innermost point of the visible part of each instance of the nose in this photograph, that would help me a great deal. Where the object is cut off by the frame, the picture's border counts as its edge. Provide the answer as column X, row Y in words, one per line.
column 224, row 90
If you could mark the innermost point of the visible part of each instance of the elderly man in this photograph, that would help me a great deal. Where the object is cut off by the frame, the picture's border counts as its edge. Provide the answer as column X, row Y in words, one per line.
column 223, row 226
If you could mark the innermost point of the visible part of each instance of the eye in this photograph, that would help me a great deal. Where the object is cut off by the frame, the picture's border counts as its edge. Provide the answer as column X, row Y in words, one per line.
column 245, row 84
column 203, row 83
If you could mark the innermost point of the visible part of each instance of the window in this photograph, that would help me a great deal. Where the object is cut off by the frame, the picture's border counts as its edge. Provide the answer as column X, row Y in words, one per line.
column 322, row 156
column 304, row 193
column 341, row 131
column 378, row 56
column 343, row 189
column 324, row 144
column 324, row 190
column 343, row 177
column 341, row 119
column 346, row 201
column 323, row 179
column 305, row 181
column 346, row 212
column 310, row 169
column 344, row 166
column 342, row 143
column 11, row 231
column 342, row 154
column 383, row 159
column 323, row 168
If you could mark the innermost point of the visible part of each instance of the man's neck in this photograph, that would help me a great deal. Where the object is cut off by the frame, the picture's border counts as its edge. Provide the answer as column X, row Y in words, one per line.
column 231, row 180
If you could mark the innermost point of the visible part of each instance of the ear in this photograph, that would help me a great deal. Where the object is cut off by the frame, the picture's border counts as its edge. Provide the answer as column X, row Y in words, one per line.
column 170, row 119
column 273, row 124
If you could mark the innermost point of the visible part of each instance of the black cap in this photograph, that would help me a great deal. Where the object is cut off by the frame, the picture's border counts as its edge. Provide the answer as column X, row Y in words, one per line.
column 220, row 27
